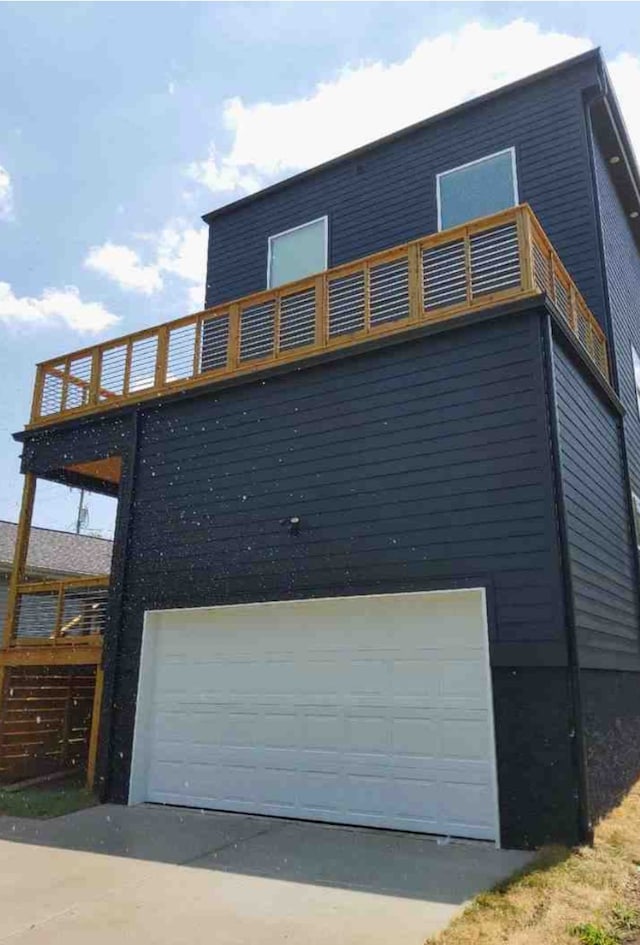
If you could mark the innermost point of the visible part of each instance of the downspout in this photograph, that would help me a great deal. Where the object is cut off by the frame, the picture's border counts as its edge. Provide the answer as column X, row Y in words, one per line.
column 114, row 624
column 585, row 826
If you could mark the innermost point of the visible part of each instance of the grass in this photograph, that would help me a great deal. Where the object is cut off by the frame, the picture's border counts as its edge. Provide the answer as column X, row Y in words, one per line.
column 46, row 801
column 586, row 896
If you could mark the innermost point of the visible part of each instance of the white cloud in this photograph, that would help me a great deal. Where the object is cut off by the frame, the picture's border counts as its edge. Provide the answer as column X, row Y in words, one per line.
column 625, row 73
column 371, row 99
column 124, row 266
column 6, row 195
column 53, row 307
column 176, row 250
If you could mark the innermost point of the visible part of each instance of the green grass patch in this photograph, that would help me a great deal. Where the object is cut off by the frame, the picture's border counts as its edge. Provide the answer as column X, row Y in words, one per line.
column 590, row 934
column 45, row 801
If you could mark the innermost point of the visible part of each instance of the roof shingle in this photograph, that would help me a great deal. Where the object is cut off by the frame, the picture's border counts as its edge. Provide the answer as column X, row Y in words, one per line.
column 57, row 552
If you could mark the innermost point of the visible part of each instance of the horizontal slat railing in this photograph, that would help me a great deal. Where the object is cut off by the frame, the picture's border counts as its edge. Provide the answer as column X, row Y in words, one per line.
column 491, row 260
column 69, row 610
column 551, row 277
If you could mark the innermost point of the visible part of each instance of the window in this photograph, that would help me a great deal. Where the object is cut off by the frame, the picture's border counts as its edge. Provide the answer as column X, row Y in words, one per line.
column 636, row 373
column 477, row 189
column 297, row 253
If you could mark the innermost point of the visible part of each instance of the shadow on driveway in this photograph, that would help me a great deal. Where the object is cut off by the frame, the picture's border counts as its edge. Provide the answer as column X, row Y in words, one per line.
column 315, row 881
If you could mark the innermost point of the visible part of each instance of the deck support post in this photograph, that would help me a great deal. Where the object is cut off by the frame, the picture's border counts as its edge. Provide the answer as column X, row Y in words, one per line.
column 19, row 557
column 95, row 728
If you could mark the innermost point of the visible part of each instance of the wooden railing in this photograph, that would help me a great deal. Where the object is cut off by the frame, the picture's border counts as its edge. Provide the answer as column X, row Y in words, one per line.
column 54, row 612
column 472, row 267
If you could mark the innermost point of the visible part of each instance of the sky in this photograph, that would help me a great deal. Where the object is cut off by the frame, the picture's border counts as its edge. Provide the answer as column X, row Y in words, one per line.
column 122, row 123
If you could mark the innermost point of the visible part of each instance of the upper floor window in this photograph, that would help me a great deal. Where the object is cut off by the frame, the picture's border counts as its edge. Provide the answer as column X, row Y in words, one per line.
column 297, row 253
column 636, row 373
column 477, row 189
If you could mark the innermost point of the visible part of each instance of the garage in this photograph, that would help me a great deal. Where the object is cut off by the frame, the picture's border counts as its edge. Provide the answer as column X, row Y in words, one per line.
column 372, row 710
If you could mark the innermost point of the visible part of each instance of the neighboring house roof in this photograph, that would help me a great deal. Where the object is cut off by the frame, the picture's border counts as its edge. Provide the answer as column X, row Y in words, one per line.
column 56, row 551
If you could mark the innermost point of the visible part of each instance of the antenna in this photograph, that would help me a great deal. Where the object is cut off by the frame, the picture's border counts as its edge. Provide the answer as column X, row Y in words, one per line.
column 83, row 514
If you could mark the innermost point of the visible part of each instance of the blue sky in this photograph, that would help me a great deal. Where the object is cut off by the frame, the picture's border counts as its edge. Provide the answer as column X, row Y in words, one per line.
column 121, row 123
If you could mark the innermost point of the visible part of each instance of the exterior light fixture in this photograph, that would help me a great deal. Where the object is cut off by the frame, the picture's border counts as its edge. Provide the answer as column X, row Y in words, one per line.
column 293, row 523
column 614, row 160
column 633, row 214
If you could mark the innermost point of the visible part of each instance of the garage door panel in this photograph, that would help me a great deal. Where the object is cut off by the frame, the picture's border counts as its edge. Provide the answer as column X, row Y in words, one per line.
column 373, row 710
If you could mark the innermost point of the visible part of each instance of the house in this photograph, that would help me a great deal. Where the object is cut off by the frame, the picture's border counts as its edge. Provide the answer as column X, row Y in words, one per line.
column 33, row 735
column 53, row 555
column 375, row 558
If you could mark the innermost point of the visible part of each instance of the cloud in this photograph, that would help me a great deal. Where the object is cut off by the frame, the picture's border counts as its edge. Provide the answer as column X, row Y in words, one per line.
column 53, row 307
column 6, row 195
column 371, row 99
column 123, row 265
column 271, row 140
column 177, row 250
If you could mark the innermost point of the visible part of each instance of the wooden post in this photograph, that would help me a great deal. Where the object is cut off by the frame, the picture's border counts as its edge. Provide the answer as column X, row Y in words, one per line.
column 94, row 383
column 126, row 380
column 277, row 318
column 416, row 307
column 197, row 348
column 367, row 298
column 19, row 557
column 59, row 612
column 233, row 350
column 95, row 728
column 467, row 266
column 65, row 385
column 162, row 357
column 525, row 248
column 322, row 328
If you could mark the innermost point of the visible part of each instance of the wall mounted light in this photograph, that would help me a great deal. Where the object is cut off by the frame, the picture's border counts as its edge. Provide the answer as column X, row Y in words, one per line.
column 614, row 160
column 633, row 214
column 293, row 523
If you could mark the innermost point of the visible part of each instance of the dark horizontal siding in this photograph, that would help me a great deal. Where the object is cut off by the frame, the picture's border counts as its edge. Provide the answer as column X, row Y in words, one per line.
column 422, row 461
column 388, row 195
column 46, row 453
column 599, row 535
column 423, row 464
column 622, row 263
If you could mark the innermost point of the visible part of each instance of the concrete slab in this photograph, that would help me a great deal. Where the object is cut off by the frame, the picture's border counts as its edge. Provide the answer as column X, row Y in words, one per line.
column 161, row 875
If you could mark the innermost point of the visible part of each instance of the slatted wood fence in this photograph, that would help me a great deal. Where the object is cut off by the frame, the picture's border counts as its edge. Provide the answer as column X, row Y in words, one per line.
column 45, row 722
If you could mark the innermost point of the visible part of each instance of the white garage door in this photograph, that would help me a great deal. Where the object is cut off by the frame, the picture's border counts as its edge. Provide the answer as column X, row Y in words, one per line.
column 360, row 710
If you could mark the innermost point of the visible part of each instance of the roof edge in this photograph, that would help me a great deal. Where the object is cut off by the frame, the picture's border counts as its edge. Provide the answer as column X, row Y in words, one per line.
column 591, row 54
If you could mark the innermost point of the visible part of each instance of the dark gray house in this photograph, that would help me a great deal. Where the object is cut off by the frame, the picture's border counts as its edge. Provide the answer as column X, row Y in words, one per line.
column 375, row 558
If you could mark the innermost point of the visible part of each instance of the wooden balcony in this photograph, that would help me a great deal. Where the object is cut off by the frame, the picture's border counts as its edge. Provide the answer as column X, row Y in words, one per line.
column 68, row 615
column 470, row 268
column 51, row 676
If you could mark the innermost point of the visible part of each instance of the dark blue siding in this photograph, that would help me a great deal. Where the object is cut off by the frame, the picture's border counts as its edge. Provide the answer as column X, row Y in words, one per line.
column 52, row 449
column 622, row 263
column 599, row 530
column 424, row 461
column 422, row 464
column 387, row 195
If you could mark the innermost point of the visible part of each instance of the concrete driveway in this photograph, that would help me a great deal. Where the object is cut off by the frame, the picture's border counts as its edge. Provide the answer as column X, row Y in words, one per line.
column 159, row 876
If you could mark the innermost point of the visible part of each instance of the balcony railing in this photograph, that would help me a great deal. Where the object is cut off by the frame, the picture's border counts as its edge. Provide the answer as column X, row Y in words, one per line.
column 477, row 266
column 53, row 612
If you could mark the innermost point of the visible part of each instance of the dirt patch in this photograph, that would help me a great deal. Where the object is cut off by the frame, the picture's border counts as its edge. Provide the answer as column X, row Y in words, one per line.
column 586, row 896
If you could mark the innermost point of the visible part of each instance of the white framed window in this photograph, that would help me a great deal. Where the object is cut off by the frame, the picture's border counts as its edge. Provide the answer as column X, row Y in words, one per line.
column 636, row 374
column 298, row 252
column 477, row 189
